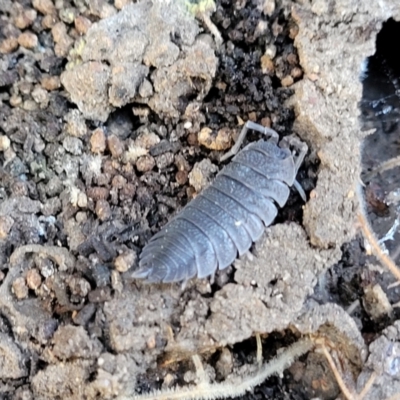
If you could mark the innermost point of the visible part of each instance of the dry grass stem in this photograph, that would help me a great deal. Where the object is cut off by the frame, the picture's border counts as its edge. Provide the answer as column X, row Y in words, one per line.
column 384, row 258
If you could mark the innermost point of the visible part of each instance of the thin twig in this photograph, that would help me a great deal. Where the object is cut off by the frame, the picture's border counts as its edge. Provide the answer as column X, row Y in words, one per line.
column 367, row 386
column 384, row 258
column 386, row 165
column 345, row 390
column 232, row 389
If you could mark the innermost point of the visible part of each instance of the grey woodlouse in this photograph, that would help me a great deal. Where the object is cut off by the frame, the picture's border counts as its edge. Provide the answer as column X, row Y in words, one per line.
column 229, row 215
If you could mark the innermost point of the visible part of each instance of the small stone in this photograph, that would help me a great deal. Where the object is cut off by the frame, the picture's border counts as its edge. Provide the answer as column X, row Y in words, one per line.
column 25, row 87
column 118, row 182
column 115, row 145
column 287, row 81
column 116, row 281
column 6, row 223
column 29, row 105
column 145, row 163
column 119, row 4
column 25, row 18
column 15, row 100
column 97, row 193
column 82, row 200
column 76, row 125
column 103, row 210
column 98, row 141
column 125, row 261
column 270, row 51
column 2, row 276
column 63, row 41
column 293, row 30
column 33, row 279
column 100, row 295
column 168, row 380
column 44, row 6
column 376, row 302
column 82, row 24
column 224, row 364
column 151, row 342
column 201, row 174
column 20, row 289
column 4, row 142
column 220, row 141
column 181, row 177
column 268, row 7
column 73, row 145
column 67, row 15
column 41, row 96
column 50, row 82
column 296, row 72
column 28, row 40
column 49, row 21
column 146, row 89
column 267, row 65
column 292, row 59
column 147, row 140
column 8, row 45
column 79, row 286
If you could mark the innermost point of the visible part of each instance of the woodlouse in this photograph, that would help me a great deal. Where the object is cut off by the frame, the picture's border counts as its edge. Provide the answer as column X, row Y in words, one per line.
column 229, row 215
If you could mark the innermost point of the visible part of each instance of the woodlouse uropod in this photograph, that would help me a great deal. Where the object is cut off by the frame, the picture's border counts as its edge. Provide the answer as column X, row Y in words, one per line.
column 229, row 215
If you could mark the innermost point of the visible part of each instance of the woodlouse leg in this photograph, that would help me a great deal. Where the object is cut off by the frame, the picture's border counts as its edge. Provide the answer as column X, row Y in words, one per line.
column 301, row 149
column 273, row 137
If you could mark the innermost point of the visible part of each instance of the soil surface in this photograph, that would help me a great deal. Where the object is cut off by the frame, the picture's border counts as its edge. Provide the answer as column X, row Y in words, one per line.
column 114, row 115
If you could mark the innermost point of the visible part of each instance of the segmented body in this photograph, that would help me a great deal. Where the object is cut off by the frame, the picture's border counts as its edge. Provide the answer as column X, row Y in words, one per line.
column 223, row 220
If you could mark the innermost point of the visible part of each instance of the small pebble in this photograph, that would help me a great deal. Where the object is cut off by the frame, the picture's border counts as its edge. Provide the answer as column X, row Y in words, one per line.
column 296, row 72
column 145, row 163
column 267, row 65
column 115, row 145
column 4, row 142
column 28, row 40
column 82, row 24
column 119, row 4
column 118, row 182
column 100, row 295
column 67, row 15
column 76, row 125
column 40, row 96
column 15, row 100
column 116, row 281
column 20, row 289
column 29, row 105
column 49, row 21
column 8, row 45
column 125, row 261
column 79, row 286
column 103, row 210
column 181, row 177
column 44, row 6
column 6, row 223
column 147, row 140
column 50, row 82
column 168, row 380
column 287, row 81
column 33, row 279
column 98, row 141
column 25, row 18
column 215, row 141
column 97, row 193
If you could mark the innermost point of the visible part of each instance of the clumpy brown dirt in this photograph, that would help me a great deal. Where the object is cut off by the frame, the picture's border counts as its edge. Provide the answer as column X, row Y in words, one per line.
column 113, row 116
